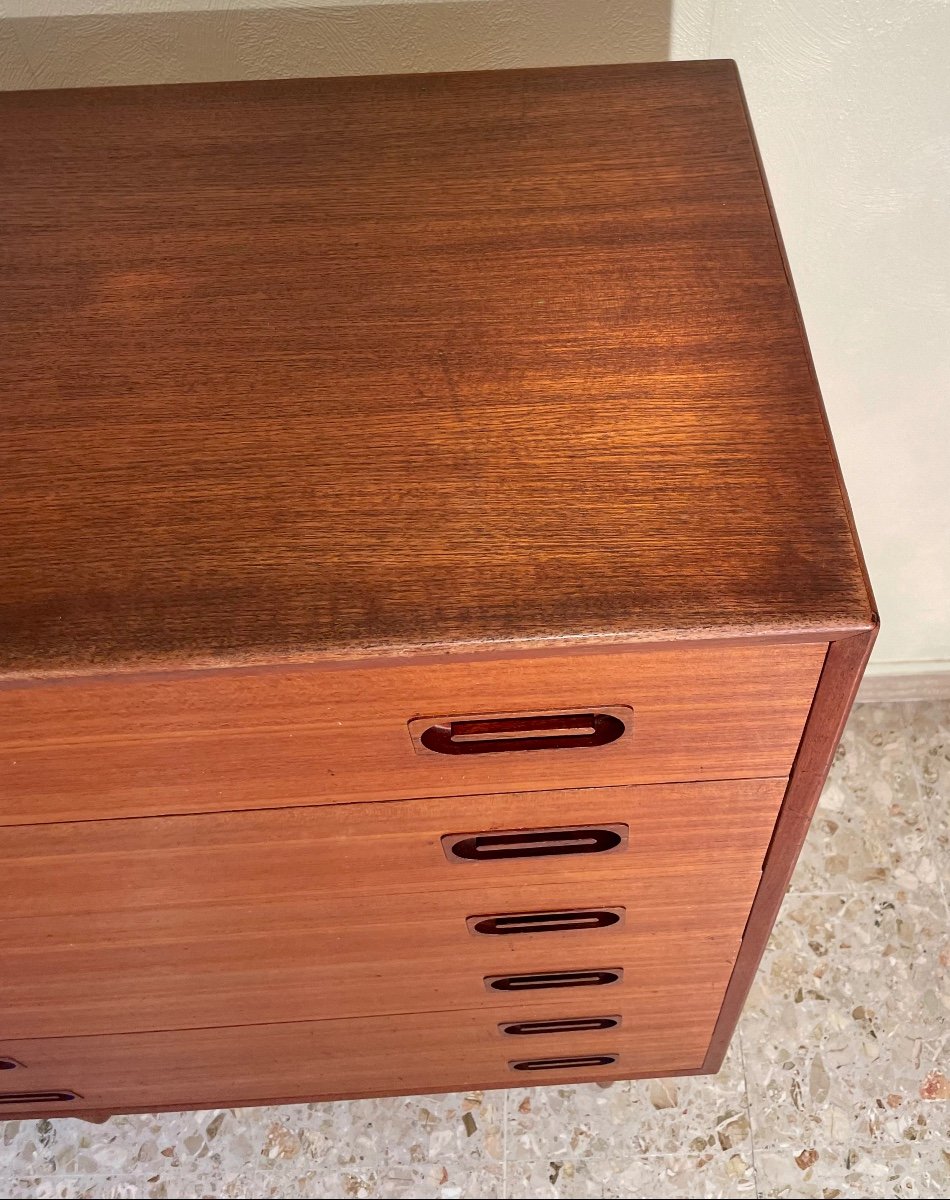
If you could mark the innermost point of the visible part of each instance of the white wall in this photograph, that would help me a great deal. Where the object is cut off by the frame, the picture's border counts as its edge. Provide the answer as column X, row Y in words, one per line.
column 851, row 105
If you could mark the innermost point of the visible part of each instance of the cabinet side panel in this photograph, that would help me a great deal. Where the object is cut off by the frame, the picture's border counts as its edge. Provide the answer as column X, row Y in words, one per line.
column 837, row 687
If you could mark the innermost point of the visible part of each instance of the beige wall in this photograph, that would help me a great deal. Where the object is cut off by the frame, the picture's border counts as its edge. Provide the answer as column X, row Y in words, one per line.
column 80, row 42
column 851, row 104
column 852, row 109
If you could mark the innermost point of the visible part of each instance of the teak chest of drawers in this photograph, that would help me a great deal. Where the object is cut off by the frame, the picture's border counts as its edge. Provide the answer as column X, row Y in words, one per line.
column 429, row 602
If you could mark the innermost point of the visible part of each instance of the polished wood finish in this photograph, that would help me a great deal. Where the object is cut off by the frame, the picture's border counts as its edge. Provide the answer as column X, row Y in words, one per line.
column 386, row 461
column 355, row 967
column 320, row 366
column 363, row 974
column 256, row 1064
column 840, row 678
column 303, row 914
column 837, row 689
column 393, row 847
column 220, row 740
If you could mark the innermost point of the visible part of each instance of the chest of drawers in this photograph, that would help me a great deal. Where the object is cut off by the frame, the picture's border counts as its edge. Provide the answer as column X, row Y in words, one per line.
column 429, row 601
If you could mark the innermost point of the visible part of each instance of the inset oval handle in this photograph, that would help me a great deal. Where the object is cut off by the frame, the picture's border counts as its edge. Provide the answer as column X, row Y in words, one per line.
column 575, row 1063
column 27, row 1098
column 534, row 843
column 512, row 734
column 562, row 1025
column 546, row 922
column 9, row 1064
column 540, row 981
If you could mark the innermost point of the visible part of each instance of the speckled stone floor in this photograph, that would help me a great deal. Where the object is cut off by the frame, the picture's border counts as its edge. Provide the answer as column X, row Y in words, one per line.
column 838, row 1083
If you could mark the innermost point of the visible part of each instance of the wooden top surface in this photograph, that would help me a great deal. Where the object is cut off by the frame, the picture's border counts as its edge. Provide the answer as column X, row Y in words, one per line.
column 330, row 367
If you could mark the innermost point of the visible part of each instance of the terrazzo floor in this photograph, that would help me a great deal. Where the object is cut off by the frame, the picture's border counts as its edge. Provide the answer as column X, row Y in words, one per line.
column 837, row 1084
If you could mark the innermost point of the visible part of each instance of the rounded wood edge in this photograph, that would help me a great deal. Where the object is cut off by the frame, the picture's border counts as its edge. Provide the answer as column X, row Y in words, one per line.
column 381, row 658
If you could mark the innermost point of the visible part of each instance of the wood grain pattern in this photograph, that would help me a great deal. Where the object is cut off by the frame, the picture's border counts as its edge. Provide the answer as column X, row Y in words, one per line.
column 844, row 666
column 298, row 368
column 199, row 1068
column 354, row 970
column 841, row 675
column 335, row 405
column 314, row 913
column 237, row 739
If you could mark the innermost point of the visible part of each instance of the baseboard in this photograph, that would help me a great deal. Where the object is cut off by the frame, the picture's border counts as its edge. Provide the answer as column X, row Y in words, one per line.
column 905, row 681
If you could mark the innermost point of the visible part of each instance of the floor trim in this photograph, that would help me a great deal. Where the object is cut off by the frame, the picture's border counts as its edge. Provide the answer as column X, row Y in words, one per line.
column 897, row 682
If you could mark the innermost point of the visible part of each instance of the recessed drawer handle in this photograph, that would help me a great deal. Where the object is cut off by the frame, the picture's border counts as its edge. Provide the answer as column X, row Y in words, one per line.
column 497, row 735
column 546, row 922
column 576, row 1063
column 534, row 843
column 564, row 1025
column 9, row 1064
column 602, row 977
column 36, row 1097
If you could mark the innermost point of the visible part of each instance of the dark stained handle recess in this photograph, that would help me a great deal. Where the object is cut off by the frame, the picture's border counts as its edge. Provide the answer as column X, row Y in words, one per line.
column 28, row 1098
column 546, row 922
column 534, row 843
column 506, row 735
column 561, row 1025
column 539, row 981
column 576, row 1062
column 9, row 1064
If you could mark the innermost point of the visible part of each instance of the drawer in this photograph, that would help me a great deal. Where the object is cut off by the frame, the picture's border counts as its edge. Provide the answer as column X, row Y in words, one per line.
column 141, row 982
column 441, row 1051
column 244, row 738
column 312, row 913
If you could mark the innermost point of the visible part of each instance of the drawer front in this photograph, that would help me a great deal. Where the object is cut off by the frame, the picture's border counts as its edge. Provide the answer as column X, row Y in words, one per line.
column 288, row 973
column 405, row 1054
column 239, row 739
column 314, row 913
